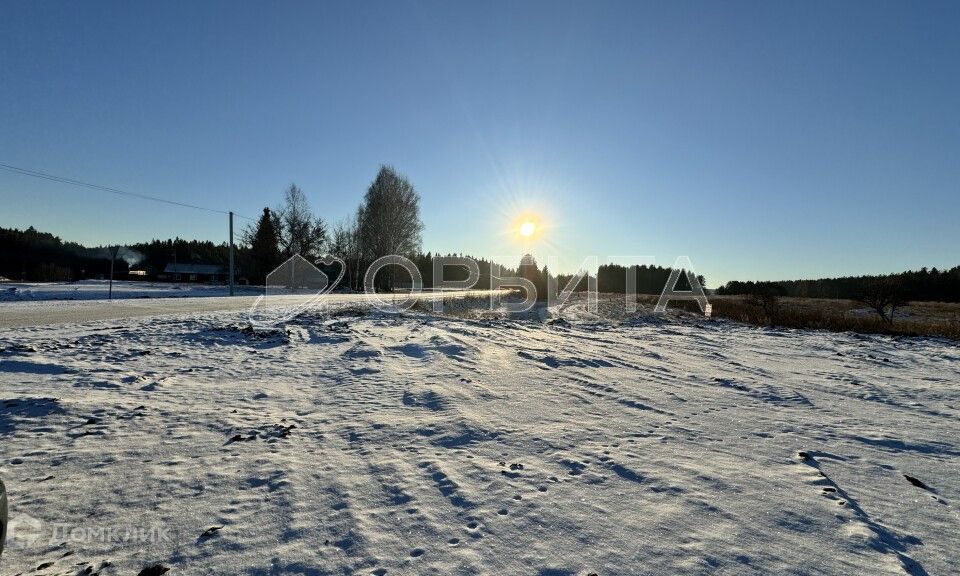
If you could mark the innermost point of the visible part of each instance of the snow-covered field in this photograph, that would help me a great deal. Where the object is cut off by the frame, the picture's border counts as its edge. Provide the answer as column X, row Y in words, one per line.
column 100, row 289
column 365, row 443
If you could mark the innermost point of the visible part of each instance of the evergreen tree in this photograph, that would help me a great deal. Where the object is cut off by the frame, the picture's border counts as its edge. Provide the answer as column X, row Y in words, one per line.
column 264, row 249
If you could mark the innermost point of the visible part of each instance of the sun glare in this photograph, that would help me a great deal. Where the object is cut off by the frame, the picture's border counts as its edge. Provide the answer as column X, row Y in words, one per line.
column 527, row 227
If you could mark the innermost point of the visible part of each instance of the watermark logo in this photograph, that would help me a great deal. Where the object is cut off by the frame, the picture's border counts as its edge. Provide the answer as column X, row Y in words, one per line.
column 298, row 285
column 695, row 293
column 110, row 534
column 293, row 287
column 23, row 531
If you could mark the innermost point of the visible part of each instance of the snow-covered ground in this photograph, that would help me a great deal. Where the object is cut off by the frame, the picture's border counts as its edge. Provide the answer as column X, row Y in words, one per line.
column 100, row 289
column 365, row 443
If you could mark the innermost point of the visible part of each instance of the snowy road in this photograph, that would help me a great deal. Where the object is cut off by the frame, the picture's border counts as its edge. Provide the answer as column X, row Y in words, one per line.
column 23, row 314
column 20, row 314
column 423, row 444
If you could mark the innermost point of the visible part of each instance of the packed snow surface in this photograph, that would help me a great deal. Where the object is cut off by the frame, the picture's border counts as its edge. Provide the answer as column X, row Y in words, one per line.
column 369, row 443
column 121, row 289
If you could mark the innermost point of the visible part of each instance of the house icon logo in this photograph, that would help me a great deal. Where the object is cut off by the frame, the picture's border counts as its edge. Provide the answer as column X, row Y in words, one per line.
column 296, row 277
column 23, row 531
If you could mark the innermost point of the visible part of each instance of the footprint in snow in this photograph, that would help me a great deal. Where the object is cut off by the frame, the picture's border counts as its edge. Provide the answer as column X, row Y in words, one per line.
column 268, row 433
column 239, row 438
column 574, row 468
column 513, row 472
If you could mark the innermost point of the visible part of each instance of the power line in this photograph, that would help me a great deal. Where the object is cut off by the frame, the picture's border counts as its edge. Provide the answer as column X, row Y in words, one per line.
column 65, row 180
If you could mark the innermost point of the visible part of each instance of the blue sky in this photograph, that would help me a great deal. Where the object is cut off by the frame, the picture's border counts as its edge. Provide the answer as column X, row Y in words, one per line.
column 764, row 140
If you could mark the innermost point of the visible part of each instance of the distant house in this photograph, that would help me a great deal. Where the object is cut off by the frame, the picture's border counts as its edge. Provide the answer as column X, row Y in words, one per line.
column 212, row 273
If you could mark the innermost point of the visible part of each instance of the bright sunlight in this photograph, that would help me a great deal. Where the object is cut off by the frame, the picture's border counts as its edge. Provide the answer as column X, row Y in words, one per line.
column 527, row 227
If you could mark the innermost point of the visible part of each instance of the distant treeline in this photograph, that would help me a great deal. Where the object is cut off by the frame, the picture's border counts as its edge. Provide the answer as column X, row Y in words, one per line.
column 152, row 257
column 33, row 256
column 30, row 255
column 649, row 279
column 609, row 277
column 527, row 268
column 922, row 285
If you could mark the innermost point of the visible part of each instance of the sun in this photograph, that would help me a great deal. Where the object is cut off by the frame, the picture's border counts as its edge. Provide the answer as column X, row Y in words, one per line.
column 527, row 227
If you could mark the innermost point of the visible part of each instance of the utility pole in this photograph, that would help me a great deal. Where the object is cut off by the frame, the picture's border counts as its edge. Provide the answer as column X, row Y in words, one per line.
column 113, row 256
column 231, row 253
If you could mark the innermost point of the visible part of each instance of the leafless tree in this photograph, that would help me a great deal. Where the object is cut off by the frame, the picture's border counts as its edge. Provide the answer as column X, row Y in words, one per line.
column 882, row 294
column 345, row 243
column 389, row 218
column 300, row 231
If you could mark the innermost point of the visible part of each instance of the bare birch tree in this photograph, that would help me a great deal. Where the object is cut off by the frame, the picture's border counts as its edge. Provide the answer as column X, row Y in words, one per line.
column 389, row 218
column 300, row 231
